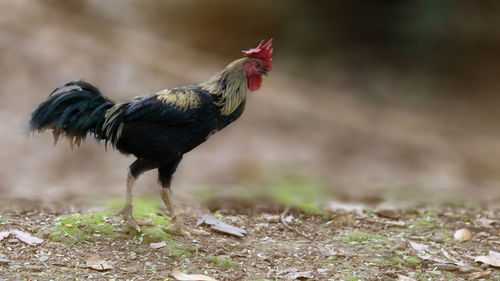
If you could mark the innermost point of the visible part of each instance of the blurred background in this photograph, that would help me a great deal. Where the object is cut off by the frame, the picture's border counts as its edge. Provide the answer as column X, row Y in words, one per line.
column 368, row 101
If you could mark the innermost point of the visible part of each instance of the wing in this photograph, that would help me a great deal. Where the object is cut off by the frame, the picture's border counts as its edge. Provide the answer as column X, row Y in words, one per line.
column 173, row 107
column 176, row 106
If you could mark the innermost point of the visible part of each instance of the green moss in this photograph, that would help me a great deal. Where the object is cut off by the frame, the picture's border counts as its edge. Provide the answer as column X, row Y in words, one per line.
column 222, row 262
column 412, row 261
column 87, row 227
column 154, row 234
column 81, row 228
column 402, row 261
column 449, row 275
column 394, row 261
column 143, row 209
column 178, row 249
column 423, row 224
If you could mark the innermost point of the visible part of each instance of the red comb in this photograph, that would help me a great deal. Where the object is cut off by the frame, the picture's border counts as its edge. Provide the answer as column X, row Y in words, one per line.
column 263, row 52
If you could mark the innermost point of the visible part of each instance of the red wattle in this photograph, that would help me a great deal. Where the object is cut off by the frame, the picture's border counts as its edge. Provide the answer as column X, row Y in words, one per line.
column 254, row 82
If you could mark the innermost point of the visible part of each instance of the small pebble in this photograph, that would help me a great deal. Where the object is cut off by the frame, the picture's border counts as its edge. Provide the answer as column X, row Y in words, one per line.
column 140, row 250
column 483, row 234
column 270, row 218
column 445, row 266
column 387, row 212
column 44, row 258
column 400, row 246
column 131, row 269
column 462, row 235
column 491, row 215
column 34, row 268
column 467, row 269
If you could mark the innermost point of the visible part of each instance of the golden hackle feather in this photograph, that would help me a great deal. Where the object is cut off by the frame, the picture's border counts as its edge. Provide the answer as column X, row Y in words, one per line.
column 110, row 114
column 230, row 86
column 180, row 98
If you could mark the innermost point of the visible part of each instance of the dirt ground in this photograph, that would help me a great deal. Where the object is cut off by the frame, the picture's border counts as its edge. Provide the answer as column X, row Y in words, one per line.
column 349, row 242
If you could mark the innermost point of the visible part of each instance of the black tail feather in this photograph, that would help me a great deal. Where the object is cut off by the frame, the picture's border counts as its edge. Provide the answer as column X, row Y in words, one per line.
column 75, row 110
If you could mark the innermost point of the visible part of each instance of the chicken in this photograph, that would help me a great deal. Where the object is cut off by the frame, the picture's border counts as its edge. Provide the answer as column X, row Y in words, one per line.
column 160, row 128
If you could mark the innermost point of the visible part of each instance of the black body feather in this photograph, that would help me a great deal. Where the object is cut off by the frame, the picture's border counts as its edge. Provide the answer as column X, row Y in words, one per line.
column 160, row 132
column 75, row 109
column 158, row 129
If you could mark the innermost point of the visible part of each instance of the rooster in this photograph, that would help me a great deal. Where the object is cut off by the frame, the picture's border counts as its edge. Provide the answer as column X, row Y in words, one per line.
column 158, row 129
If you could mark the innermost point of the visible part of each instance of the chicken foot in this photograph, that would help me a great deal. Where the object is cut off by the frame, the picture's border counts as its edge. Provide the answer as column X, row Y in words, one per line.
column 126, row 212
column 178, row 222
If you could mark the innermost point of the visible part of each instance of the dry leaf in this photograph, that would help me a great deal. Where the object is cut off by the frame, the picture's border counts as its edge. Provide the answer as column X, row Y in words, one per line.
column 405, row 278
column 493, row 259
column 462, row 235
column 488, row 260
column 477, row 275
column 395, row 223
column 299, row 275
column 327, row 252
column 98, row 263
column 452, row 258
column 486, row 223
column 270, row 218
column 23, row 236
column 187, row 277
column 4, row 234
column 418, row 246
column 494, row 254
column 220, row 226
column 26, row 237
column 445, row 266
column 425, row 252
column 158, row 245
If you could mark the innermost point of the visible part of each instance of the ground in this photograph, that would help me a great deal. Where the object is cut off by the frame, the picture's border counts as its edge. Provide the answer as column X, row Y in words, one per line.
column 442, row 155
column 338, row 242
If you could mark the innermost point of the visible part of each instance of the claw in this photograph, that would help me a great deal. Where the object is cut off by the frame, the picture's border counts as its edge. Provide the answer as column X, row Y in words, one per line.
column 127, row 215
column 187, row 231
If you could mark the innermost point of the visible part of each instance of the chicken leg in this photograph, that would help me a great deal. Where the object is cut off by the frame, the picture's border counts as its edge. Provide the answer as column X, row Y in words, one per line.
column 138, row 167
column 166, row 194
column 126, row 212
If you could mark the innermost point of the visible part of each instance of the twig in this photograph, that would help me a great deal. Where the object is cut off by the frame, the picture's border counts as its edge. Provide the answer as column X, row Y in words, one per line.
column 291, row 228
